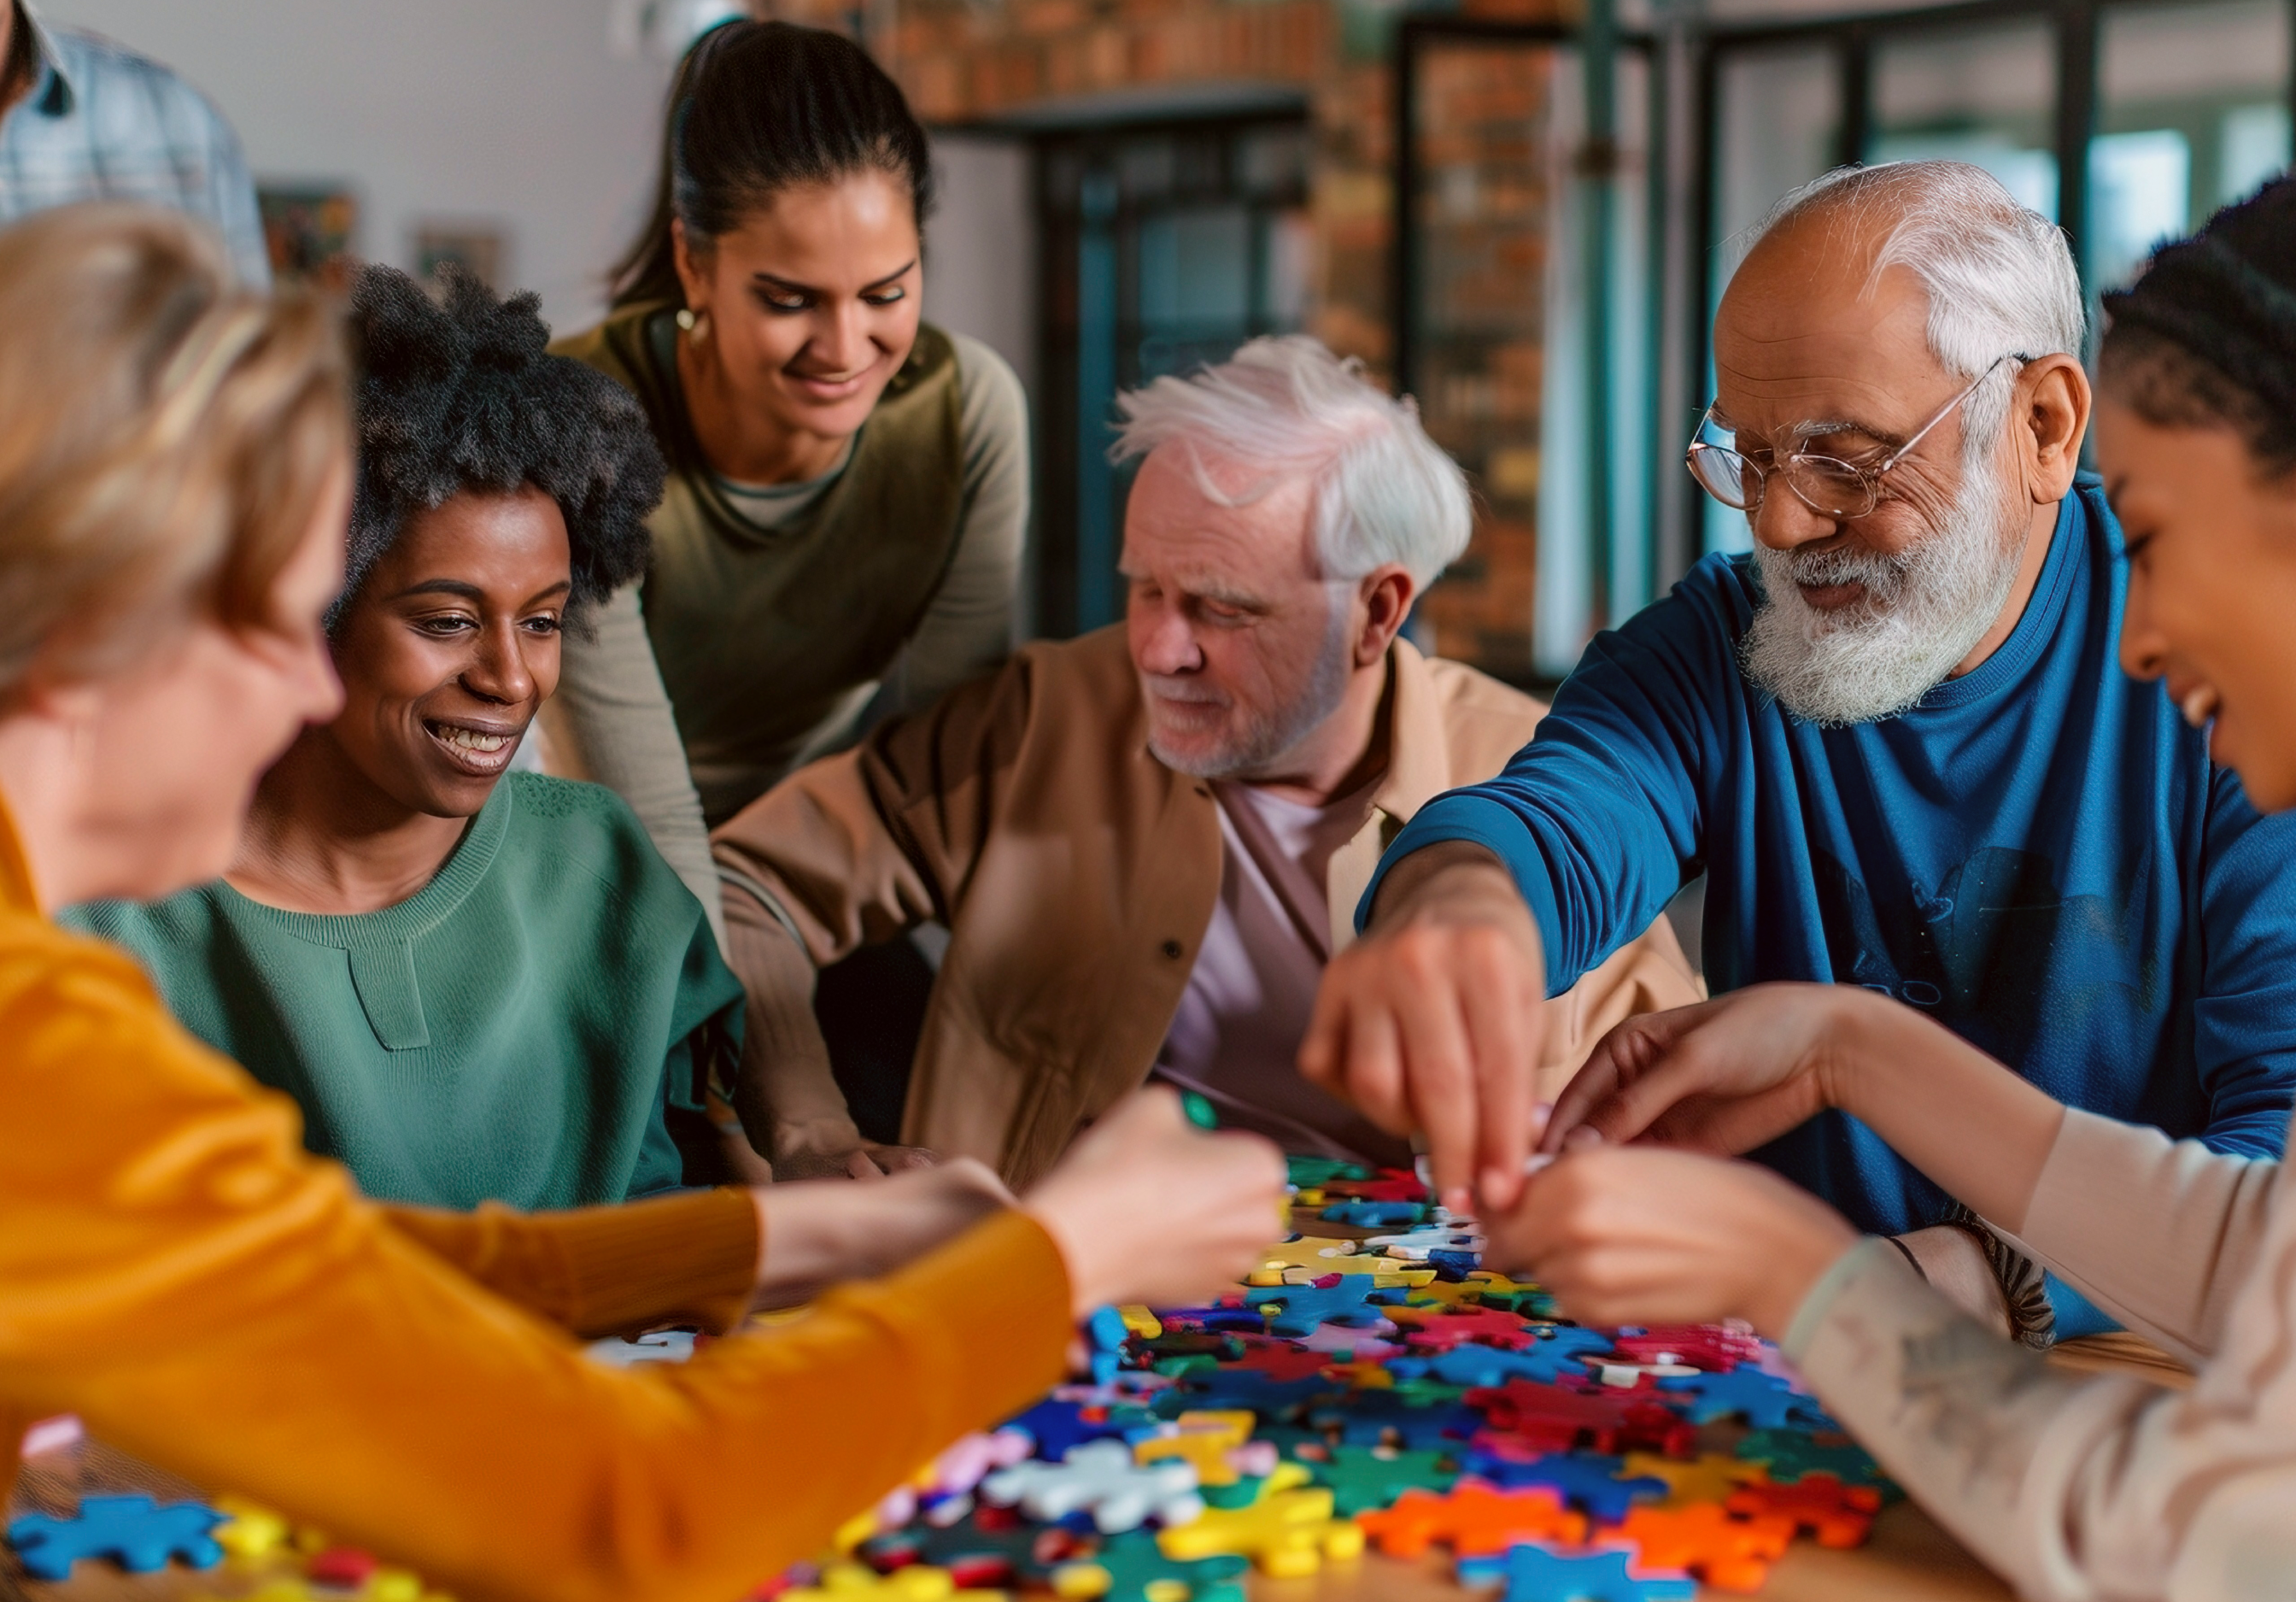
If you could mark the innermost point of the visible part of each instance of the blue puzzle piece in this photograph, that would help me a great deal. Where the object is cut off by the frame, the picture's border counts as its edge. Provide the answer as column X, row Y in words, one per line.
column 1375, row 1215
column 132, row 1531
column 1454, row 1266
column 1551, row 1357
column 1537, row 1574
column 1587, row 1481
column 1224, row 1388
column 1369, row 1418
column 1768, row 1401
column 1106, row 1332
column 1055, row 1426
column 1346, row 1299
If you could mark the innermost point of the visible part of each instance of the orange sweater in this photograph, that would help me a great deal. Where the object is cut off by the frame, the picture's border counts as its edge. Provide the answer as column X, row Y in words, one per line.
column 179, row 1271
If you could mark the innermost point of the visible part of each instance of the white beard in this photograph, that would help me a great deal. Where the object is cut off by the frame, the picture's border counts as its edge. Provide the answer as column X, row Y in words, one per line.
column 1263, row 739
column 1924, row 611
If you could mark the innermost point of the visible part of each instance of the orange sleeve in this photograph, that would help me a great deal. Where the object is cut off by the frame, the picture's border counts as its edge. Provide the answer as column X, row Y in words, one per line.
column 689, row 1259
column 177, row 1270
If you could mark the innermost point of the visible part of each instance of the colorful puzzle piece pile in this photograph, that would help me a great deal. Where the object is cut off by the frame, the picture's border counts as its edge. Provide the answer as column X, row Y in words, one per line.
column 1387, row 1391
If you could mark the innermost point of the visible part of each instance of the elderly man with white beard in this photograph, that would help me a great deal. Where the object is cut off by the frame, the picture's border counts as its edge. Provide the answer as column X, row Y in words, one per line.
column 1895, row 739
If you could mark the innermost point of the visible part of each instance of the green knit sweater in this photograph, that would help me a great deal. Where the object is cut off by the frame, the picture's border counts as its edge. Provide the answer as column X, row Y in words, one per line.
column 513, row 1033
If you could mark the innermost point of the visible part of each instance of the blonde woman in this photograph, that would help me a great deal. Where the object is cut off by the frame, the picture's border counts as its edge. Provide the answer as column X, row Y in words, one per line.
column 177, row 1269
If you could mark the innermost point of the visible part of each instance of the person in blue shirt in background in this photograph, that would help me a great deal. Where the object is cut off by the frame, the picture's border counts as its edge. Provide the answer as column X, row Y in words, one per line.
column 1895, row 737
column 82, row 119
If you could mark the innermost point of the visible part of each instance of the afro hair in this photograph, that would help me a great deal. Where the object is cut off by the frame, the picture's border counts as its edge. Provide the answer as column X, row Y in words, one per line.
column 461, row 394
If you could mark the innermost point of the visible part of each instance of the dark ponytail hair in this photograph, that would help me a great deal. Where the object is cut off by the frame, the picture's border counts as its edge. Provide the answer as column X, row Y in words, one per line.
column 2206, row 336
column 755, row 108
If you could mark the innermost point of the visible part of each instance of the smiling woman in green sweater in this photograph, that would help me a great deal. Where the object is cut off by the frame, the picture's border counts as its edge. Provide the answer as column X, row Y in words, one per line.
column 480, row 985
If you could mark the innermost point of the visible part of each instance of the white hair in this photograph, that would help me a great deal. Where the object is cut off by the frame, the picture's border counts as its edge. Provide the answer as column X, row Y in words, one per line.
column 1998, row 276
column 1382, row 491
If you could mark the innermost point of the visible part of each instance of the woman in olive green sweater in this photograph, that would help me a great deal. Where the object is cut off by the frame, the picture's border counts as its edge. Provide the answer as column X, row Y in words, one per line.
column 480, row 985
column 847, row 495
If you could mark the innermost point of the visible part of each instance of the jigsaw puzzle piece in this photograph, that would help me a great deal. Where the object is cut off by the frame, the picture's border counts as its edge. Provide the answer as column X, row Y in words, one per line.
column 1287, row 1529
column 1716, row 1348
column 1390, row 1185
column 1132, row 1568
column 1217, row 1445
column 1537, row 1574
column 1370, row 1418
column 1100, row 1478
column 1709, row 1477
column 1442, row 1329
column 1308, row 1172
column 1059, row 1427
column 1587, row 1481
column 1763, row 1400
column 132, row 1531
column 1550, row 1418
column 856, row 1582
column 1556, row 1352
column 1474, row 1519
column 1729, row 1553
column 1837, row 1514
column 1366, row 1479
column 1789, row 1455
column 1375, row 1215
column 1298, row 1309
column 1414, row 1245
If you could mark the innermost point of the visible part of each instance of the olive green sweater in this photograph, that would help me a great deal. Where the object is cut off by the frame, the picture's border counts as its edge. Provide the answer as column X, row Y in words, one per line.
column 513, row 1033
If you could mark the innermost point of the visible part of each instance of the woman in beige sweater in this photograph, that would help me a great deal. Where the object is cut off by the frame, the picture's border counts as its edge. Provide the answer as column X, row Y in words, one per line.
column 2074, row 1488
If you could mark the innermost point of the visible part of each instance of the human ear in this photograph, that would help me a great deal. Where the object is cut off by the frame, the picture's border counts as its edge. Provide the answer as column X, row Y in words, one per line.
column 1386, row 594
column 2052, row 402
column 692, row 259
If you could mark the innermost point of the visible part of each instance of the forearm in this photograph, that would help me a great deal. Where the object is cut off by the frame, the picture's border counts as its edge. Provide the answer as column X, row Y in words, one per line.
column 2070, row 1487
column 2161, row 1234
column 1451, row 880
column 1975, row 1127
column 603, row 1270
column 785, row 1090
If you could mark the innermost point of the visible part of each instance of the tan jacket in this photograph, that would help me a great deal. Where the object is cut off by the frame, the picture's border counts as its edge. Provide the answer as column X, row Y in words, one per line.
column 1077, row 876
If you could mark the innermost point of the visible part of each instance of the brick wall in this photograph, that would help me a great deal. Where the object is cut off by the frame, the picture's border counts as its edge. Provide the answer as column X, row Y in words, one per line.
column 961, row 60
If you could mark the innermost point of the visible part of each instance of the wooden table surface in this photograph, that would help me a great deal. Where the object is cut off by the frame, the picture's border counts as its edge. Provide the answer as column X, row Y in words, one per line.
column 1908, row 1559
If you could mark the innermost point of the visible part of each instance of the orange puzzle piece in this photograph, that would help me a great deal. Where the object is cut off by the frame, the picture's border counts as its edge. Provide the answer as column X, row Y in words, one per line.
column 1728, row 1553
column 1709, row 1477
column 1838, row 1515
column 1473, row 1519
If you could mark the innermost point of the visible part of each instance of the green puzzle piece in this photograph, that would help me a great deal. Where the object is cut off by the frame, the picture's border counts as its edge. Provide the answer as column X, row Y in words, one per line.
column 1137, row 1571
column 1308, row 1172
column 1366, row 1479
column 1788, row 1454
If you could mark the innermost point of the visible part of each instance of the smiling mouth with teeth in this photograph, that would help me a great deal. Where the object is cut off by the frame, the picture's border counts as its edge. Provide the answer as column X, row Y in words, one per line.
column 470, row 739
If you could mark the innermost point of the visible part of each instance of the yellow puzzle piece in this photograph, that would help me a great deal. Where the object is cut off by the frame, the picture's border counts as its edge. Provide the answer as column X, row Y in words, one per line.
column 1287, row 1531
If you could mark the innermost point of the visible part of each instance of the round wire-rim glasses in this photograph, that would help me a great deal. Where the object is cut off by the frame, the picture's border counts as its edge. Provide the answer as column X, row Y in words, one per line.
column 1827, row 485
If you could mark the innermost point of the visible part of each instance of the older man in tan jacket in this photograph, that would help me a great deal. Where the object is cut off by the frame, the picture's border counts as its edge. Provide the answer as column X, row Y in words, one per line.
column 1146, row 843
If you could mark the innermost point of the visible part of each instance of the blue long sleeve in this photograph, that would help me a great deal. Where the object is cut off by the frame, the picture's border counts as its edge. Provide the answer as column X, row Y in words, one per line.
column 2040, row 855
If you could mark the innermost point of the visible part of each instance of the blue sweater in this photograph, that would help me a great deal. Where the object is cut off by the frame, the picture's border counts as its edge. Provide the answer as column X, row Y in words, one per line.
column 2040, row 855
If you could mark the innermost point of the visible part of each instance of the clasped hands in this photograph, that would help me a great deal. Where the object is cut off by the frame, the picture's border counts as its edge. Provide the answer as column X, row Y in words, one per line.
column 1432, row 1022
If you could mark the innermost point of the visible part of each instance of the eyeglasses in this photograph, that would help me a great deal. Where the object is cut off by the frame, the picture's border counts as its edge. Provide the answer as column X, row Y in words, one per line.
column 1827, row 485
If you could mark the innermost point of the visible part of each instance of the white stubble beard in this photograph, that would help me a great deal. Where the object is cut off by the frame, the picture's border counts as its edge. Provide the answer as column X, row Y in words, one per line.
column 1265, row 740
column 1924, row 611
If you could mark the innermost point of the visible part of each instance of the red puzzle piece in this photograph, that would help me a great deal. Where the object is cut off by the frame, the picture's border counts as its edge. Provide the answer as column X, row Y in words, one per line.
column 1473, row 1519
column 1392, row 1185
column 1442, row 1329
column 1838, row 1515
column 1729, row 1554
column 1707, row 1346
column 1280, row 1359
column 1529, row 1419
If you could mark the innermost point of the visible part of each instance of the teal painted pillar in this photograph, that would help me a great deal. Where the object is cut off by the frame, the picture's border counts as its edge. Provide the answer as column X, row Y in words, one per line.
column 1598, row 168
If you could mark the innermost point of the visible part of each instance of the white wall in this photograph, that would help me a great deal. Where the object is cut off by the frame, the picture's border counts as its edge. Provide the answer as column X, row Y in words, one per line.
column 539, row 115
column 980, row 267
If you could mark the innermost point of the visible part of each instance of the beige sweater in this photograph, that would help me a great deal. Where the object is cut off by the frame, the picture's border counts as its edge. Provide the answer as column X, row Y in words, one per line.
column 2096, row 1487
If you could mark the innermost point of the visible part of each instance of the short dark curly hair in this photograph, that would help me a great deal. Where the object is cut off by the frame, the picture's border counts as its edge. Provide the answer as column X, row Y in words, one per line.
column 460, row 394
column 2206, row 336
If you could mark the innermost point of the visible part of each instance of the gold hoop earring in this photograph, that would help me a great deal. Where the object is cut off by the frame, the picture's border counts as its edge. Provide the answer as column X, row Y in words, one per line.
column 697, row 328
